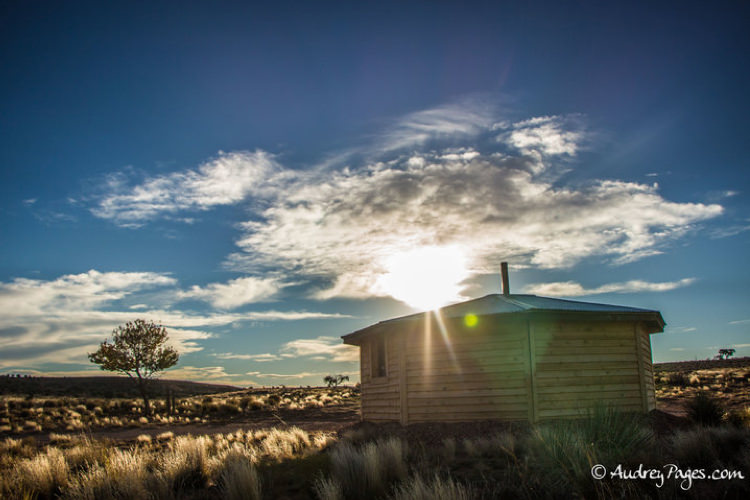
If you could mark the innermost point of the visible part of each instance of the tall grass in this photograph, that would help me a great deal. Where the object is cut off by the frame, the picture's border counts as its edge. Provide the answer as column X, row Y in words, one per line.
column 181, row 467
column 435, row 489
column 564, row 452
column 368, row 471
column 44, row 475
column 239, row 480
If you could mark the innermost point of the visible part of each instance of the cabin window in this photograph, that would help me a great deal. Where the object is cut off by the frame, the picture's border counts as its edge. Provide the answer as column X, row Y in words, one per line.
column 378, row 357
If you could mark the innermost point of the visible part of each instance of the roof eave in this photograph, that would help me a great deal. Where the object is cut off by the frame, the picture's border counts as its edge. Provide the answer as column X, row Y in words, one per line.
column 653, row 320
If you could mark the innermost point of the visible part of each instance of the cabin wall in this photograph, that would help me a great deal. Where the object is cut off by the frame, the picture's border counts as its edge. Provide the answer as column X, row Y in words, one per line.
column 460, row 373
column 647, row 367
column 579, row 365
column 509, row 370
column 380, row 395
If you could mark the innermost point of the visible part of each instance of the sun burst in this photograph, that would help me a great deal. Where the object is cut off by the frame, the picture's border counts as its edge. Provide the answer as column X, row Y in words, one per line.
column 426, row 277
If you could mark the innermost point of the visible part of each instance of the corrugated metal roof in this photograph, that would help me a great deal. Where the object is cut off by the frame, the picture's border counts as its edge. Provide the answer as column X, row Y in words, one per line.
column 509, row 304
column 501, row 304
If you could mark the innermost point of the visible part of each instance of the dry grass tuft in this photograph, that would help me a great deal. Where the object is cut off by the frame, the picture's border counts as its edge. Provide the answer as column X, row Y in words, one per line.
column 239, row 480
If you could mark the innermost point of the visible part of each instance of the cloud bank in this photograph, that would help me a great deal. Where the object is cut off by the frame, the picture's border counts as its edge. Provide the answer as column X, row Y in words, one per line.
column 60, row 320
column 456, row 176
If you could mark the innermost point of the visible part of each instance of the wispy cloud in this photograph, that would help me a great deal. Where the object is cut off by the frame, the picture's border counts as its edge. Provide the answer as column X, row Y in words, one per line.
column 465, row 118
column 60, row 320
column 573, row 289
column 296, row 376
column 325, row 347
column 740, row 322
column 225, row 180
column 260, row 358
column 235, row 292
column 211, row 374
column 680, row 329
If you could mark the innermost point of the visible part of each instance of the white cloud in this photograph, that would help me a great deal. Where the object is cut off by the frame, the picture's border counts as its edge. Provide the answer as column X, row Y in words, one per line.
column 345, row 224
column 680, row 329
column 73, row 291
column 547, row 135
column 461, row 119
column 61, row 320
column 234, row 293
column 209, row 374
column 330, row 347
column 224, row 180
column 740, row 322
column 440, row 177
column 296, row 376
column 573, row 289
column 260, row 358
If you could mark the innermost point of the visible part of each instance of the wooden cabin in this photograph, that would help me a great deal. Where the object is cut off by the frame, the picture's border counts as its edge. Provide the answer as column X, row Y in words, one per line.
column 507, row 357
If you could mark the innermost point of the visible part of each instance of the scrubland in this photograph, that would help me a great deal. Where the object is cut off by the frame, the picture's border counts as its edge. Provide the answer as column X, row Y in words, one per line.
column 484, row 460
column 20, row 415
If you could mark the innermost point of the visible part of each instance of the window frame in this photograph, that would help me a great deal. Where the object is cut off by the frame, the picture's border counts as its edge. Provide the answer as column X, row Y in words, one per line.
column 378, row 350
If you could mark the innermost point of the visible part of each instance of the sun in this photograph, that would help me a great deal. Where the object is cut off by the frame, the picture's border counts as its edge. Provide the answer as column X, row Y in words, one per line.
column 425, row 278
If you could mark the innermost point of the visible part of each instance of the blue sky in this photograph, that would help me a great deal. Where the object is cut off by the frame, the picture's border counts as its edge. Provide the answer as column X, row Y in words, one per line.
column 264, row 179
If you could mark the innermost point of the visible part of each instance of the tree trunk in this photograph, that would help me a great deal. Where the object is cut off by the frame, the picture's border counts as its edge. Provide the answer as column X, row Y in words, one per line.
column 144, row 395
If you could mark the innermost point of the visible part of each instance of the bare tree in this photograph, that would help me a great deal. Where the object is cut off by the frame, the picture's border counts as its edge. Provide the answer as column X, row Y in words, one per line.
column 138, row 350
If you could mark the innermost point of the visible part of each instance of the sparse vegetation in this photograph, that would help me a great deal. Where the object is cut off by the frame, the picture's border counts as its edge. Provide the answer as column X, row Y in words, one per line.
column 478, row 461
column 19, row 414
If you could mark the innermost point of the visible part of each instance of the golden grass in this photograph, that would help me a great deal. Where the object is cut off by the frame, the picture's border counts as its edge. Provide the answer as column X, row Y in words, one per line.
column 66, row 415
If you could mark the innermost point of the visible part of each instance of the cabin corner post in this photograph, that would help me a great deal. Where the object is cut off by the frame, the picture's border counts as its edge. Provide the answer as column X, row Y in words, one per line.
column 361, row 382
column 402, row 385
column 641, row 368
column 531, row 385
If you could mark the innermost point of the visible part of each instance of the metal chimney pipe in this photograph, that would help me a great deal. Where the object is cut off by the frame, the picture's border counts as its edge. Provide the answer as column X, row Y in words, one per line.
column 506, row 283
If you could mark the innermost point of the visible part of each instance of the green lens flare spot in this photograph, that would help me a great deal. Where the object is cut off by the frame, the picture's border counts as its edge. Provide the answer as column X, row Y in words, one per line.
column 471, row 320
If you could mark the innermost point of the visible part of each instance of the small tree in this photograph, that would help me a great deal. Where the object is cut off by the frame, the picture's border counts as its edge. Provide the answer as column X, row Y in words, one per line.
column 726, row 353
column 335, row 380
column 138, row 350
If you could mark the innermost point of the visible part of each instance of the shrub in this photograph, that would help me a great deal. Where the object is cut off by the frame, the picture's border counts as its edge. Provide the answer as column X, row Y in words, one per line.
column 563, row 452
column 44, row 475
column 705, row 410
column 444, row 489
column 328, row 489
column 239, row 480
column 367, row 472
column 185, row 467
column 677, row 378
column 738, row 418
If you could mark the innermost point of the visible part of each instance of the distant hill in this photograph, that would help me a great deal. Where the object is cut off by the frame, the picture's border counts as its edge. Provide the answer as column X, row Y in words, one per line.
column 107, row 387
column 705, row 364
